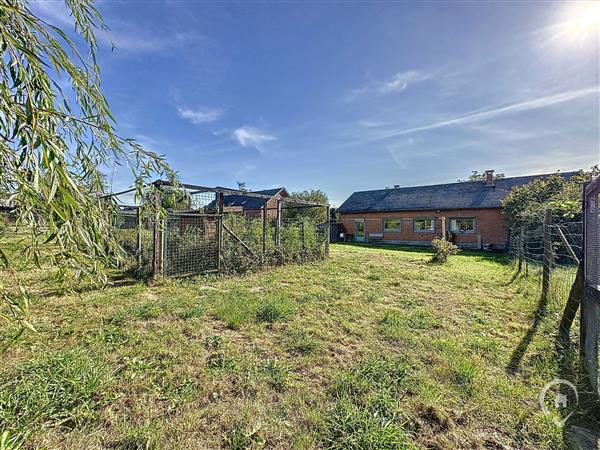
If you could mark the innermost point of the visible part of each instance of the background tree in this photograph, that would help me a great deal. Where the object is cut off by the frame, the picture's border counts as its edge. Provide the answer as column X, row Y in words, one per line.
column 171, row 198
column 525, row 205
column 53, row 143
column 317, row 214
column 476, row 176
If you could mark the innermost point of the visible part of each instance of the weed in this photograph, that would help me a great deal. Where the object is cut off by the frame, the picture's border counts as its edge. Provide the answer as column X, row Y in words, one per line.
column 366, row 413
column 113, row 335
column 222, row 360
column 145, row 311
column 277, row 373
column 397, row 325
column 178, row 391
column 196, row 311
column 273, row 311
column 215, row 341
column 238, row 439
column 351, row 426
column 301, row 343
column 137, row 438
column 63, row 389
column 464, row 374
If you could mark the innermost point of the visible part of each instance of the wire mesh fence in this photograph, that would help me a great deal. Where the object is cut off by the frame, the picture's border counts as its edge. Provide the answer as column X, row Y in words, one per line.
column 590, row 306
column 136, row 238
column 550, row 252
column 223, row 230
column 555, row 248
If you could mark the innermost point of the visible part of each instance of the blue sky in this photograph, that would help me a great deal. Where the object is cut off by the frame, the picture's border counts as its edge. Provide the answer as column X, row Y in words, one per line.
column 351, row 96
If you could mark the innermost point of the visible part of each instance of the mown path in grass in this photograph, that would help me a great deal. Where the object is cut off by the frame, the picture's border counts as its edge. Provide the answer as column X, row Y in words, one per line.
column 373, row 348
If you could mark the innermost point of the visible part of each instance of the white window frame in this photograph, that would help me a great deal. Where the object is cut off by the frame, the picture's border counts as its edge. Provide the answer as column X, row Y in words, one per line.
column 386, row 230
column 460, row 218
column 431, row 230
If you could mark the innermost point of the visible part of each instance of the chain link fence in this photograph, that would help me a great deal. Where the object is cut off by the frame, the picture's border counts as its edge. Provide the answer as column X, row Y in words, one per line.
column 222, row 230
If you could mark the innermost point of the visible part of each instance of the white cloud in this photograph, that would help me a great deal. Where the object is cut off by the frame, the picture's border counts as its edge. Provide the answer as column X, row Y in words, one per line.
column 53, row 12
column 370, row 123
column 252, row 137
column 398, row 83
column 129, row 37
column 402, row 80
column 478, row 115
column 199, row 116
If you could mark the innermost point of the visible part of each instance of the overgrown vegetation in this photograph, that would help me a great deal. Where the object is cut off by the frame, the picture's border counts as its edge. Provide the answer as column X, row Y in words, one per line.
column 525, row 205
column 372, row 348
column 302, row 239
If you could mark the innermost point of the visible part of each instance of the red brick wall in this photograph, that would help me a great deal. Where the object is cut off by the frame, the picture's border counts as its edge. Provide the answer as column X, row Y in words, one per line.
column 489, row 224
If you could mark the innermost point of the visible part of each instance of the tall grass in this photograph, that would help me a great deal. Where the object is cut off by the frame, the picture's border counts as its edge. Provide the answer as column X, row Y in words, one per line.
column 62, row 389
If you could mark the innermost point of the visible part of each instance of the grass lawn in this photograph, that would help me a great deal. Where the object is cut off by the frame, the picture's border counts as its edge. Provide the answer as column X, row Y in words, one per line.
column 373, row 348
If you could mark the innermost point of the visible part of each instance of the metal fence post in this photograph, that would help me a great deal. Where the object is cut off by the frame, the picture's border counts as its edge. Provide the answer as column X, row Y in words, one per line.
column 157, row 260
column 220, row 209
column 548, row 256
column 584, row 261
column 264, row 228
column 278, row 226
column 328, row 230
column 139, row 238
column 521, row 248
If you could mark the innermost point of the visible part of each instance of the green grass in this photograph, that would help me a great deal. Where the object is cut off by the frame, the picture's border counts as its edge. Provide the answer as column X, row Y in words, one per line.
column 374, row 348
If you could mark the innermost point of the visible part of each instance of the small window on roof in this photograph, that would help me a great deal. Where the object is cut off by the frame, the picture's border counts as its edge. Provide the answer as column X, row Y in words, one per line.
column 462, row 224
column 424, row 224
column 392, row 224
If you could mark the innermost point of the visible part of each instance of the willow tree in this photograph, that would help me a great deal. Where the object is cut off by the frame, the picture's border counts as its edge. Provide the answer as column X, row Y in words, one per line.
column 56, row 134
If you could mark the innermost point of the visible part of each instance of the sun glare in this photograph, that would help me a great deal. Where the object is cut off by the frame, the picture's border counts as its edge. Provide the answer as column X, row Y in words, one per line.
column 581, row 22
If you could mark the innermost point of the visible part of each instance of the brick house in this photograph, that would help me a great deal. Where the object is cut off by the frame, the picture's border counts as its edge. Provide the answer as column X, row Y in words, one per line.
column 253, row 206
column 469, row 212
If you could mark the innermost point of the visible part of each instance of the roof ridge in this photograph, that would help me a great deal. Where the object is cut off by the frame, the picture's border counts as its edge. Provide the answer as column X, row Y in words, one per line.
column 569, row 172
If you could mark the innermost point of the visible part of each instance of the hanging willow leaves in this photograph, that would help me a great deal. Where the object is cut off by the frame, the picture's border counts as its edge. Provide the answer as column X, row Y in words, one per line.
column 53, row 143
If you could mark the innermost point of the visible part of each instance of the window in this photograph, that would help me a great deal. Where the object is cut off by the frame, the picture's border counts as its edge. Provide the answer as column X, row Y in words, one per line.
column 426, row 224
column 392, row 224
column 462, row 224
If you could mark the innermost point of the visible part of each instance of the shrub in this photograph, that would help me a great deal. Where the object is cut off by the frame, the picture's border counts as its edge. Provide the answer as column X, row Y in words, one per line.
column 442, row 249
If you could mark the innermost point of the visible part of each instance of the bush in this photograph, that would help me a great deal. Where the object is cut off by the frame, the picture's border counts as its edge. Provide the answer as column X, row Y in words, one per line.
column 442, row 249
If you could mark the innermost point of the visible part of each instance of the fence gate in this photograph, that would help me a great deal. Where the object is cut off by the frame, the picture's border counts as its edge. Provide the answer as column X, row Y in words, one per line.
column 190, row 243
column 590, row 307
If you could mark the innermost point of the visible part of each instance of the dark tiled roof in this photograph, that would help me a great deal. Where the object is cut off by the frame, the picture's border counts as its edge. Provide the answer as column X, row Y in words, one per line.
column 466, row 195
column 249, row 202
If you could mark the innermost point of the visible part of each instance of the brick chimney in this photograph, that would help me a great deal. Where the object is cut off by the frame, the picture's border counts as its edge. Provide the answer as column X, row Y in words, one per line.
column 489, row 177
